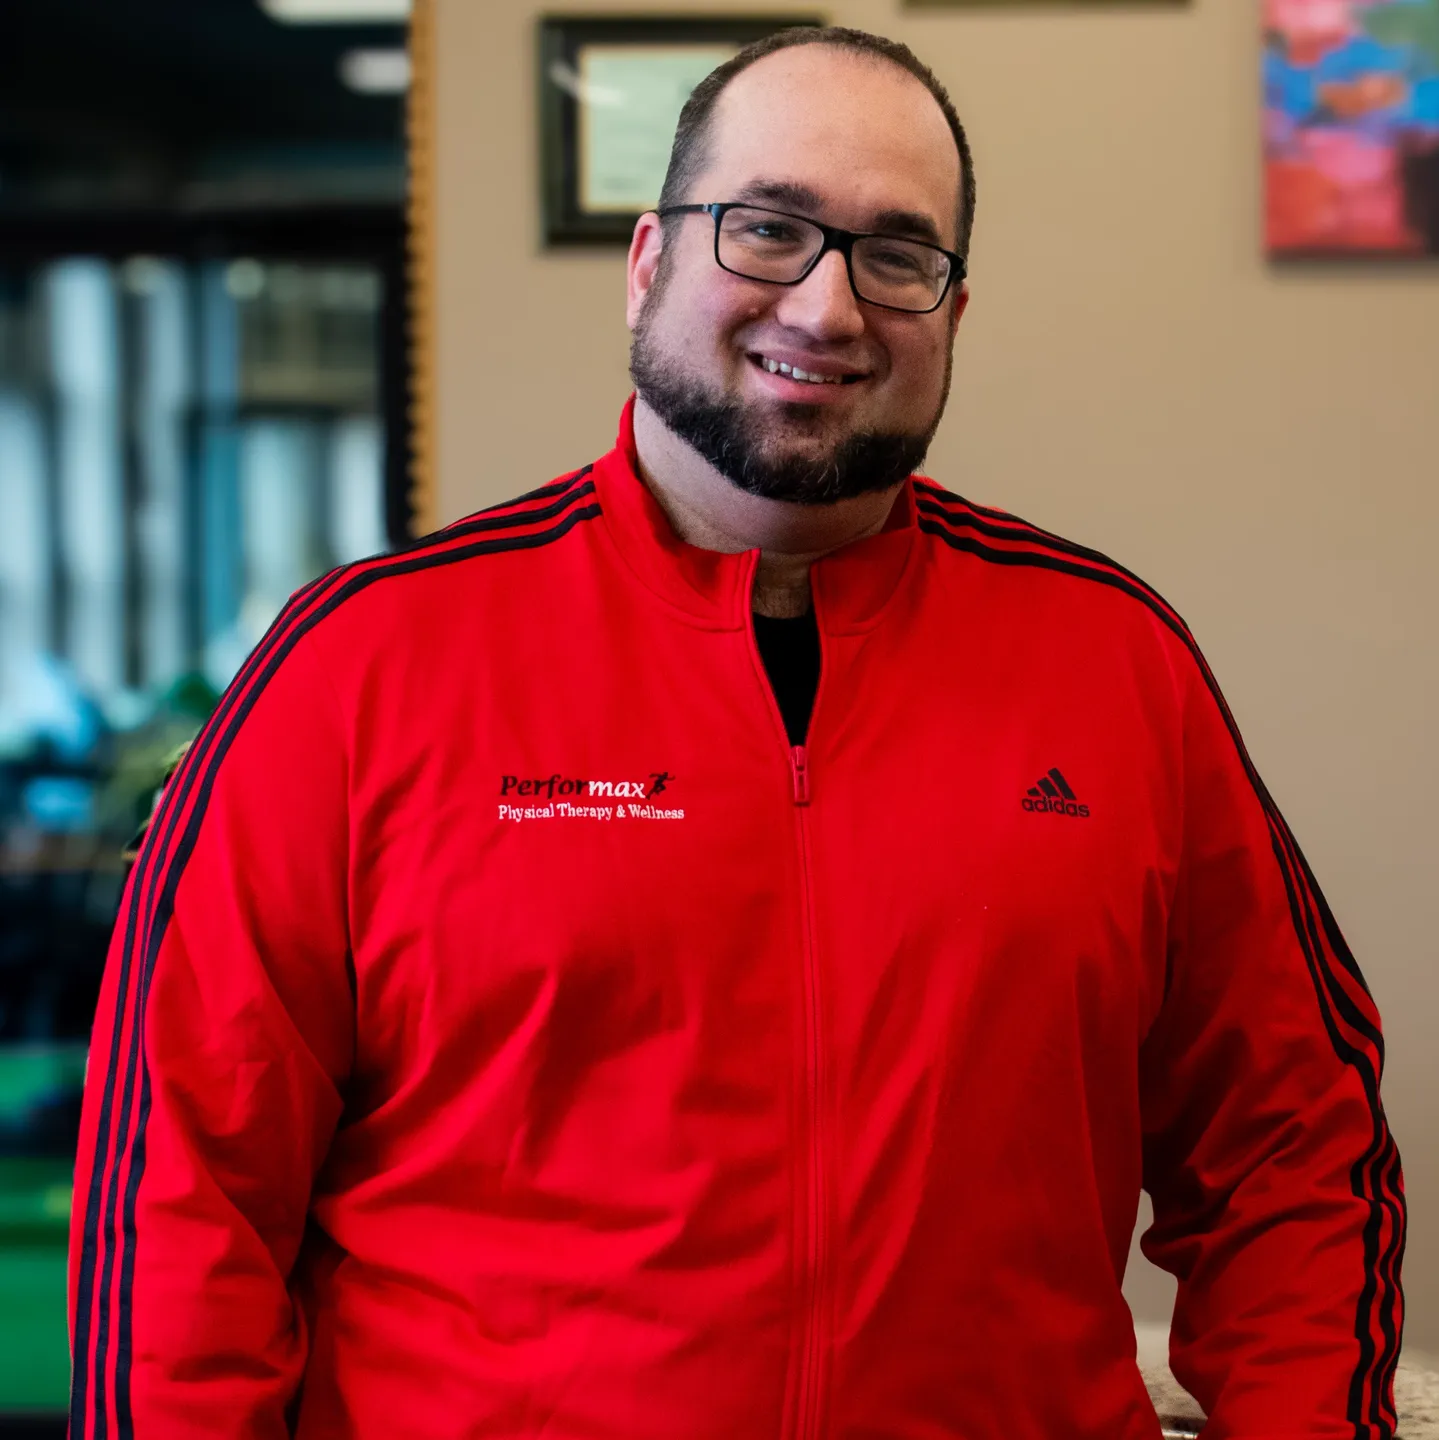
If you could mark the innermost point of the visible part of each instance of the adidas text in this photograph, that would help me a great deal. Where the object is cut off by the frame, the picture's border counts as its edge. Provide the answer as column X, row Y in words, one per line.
column 1044, row 805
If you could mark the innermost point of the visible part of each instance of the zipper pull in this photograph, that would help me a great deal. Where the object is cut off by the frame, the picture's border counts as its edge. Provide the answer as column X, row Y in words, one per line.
column 799, row 768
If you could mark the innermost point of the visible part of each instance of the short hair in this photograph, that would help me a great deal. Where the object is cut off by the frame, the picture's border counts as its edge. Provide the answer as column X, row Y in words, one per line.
column 690, row 152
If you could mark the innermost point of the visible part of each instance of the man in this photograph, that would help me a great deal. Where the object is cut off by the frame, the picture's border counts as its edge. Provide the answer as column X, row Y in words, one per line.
column 714, row 948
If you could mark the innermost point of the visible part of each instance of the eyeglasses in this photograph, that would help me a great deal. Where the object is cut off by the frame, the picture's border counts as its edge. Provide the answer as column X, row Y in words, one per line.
column 781, row 249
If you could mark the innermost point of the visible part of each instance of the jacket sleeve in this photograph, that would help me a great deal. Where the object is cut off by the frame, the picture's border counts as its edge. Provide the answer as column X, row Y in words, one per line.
column 1278, row 1197
column 220, row 1046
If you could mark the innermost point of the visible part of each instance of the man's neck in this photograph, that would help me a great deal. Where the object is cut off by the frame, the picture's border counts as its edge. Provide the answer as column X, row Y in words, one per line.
column 708, row 511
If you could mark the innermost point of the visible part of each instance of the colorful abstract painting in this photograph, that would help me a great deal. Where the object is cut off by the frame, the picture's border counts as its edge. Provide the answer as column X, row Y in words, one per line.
column 1351, row 127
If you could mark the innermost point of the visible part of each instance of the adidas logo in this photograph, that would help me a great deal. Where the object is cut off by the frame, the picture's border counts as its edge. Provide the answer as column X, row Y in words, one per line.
column 1052, row 796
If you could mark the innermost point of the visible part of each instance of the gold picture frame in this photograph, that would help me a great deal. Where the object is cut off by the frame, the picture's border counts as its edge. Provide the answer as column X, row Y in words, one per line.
column 610, row 91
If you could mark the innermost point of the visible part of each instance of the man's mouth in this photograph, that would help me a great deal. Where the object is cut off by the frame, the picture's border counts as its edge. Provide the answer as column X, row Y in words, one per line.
column 806, row 377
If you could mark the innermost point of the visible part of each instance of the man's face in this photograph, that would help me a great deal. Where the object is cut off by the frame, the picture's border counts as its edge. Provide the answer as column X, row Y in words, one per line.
column 849, row 141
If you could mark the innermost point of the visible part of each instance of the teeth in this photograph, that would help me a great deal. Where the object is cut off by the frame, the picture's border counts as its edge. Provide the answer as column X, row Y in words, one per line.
column 778, row 367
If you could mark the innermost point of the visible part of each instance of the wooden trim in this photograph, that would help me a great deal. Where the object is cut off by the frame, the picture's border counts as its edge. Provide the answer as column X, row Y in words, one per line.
column 420, row 137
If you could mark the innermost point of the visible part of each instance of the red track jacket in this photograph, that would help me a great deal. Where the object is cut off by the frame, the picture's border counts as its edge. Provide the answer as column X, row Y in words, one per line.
column 507, row 1034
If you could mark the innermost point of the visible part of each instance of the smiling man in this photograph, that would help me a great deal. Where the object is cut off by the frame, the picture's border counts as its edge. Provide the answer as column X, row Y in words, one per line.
column 715, row 947
column 822, row 384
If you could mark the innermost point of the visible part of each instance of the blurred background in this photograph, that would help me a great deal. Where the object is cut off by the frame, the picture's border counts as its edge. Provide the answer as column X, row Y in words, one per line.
column 212, row 388
column 202, row 405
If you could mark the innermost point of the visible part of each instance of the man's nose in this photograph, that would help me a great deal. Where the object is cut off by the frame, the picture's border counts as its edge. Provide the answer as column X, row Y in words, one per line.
column 823, row 304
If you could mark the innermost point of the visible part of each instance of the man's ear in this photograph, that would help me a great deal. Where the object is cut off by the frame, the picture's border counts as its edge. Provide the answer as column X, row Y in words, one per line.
column 644, row 259
column 961, row 303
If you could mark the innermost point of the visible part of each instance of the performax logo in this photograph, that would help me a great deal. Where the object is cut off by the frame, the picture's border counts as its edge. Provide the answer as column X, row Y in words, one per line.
column 560, row 797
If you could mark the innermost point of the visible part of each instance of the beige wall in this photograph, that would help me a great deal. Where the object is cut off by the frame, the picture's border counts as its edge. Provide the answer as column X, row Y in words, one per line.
column 1261, row 445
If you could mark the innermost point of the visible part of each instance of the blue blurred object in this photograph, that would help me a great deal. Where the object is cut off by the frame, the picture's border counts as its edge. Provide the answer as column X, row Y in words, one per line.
column 62, row 803
column 1424, row 106
column 1364, row 56
column 44, row 704
column 1288, row 88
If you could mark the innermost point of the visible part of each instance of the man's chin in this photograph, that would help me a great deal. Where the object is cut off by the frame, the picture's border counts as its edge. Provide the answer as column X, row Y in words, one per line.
column 785, row 424
column 779, row 450
column 789, row 454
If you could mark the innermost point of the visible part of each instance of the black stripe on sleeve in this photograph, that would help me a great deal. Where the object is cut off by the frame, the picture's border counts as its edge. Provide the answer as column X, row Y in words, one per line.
column 1375, row 1174
column 157, row 874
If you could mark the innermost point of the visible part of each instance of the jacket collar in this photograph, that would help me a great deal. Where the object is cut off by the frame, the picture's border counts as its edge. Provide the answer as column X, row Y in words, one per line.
column 851, row 586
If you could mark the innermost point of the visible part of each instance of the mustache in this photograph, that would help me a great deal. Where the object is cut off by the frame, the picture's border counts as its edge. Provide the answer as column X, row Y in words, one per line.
column 733, row 438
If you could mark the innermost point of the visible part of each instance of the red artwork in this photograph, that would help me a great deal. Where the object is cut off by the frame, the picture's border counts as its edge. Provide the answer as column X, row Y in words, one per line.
column 1351, row 126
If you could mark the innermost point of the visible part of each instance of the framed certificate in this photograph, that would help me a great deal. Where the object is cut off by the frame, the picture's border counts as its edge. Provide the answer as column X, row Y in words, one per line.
column 611, row 90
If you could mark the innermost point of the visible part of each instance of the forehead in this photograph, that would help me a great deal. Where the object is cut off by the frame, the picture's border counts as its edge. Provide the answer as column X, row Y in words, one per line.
column 860, row 132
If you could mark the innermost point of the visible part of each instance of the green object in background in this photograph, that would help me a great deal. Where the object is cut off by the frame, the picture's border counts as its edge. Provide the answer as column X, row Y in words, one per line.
column 35, row 1082
column 34, row 1334
column 1416, row 25
column 32, row 1074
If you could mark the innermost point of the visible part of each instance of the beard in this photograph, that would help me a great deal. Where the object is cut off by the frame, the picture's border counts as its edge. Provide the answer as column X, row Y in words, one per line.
column 748, row 447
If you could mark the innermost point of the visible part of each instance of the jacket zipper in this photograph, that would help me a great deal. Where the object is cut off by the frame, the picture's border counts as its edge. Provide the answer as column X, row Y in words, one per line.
column 810, row 1408
column 799, row 769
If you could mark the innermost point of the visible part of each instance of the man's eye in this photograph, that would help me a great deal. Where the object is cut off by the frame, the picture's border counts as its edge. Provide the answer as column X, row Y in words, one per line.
column 896, row 261
column 773, row 232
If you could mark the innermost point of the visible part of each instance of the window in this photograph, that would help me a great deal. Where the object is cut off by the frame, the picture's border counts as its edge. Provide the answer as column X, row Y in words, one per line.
column 183, row 443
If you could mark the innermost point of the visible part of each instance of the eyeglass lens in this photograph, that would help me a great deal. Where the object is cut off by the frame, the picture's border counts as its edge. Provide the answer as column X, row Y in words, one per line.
column 765, row 245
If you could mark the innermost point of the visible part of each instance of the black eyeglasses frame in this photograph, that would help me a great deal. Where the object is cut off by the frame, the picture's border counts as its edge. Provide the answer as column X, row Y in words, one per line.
column 834, row 239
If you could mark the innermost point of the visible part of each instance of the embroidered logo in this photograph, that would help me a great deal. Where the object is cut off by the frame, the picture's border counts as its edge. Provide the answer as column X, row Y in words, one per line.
column 1053, row 796
column 563, row 797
